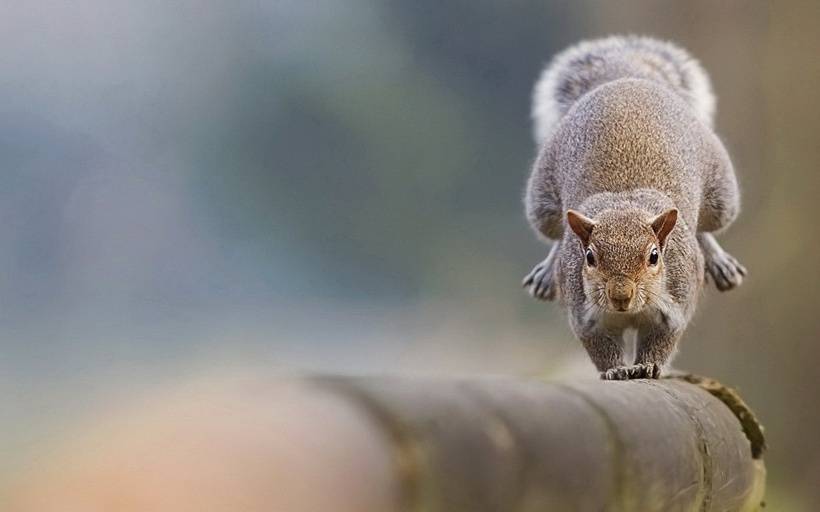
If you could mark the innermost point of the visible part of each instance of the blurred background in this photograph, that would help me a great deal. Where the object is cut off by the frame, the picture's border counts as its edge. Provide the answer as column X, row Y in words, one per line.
column 194, row 189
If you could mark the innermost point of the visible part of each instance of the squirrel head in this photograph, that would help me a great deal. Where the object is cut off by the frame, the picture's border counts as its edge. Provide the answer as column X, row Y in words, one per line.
column 622, row 252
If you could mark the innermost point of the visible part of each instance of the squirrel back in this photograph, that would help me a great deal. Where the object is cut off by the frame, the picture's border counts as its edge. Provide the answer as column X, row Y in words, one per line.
column 590, row 64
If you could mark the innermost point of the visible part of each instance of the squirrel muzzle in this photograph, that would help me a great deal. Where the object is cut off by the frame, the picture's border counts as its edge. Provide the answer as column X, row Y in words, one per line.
column 620, row 291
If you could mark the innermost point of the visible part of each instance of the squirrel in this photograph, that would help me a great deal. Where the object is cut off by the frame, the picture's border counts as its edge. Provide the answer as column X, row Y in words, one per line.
column 631, row 183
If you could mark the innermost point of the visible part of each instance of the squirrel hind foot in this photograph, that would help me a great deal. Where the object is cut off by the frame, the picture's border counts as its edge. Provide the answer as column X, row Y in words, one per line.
column 541, row 281
column 725, row 271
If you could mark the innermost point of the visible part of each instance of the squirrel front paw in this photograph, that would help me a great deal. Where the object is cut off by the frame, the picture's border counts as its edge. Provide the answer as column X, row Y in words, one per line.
column 725, row 270
column 636, row 371
column 541, row 281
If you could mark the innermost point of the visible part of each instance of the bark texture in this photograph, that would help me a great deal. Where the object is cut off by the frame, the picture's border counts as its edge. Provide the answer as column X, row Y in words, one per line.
column 483, row 445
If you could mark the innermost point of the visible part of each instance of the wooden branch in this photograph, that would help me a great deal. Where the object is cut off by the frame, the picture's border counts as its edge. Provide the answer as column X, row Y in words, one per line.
column 410, row 445
column 527, row 445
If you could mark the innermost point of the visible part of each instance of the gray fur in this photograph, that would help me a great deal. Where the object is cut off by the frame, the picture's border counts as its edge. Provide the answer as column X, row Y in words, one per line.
column 583, row 67
column 625, row 125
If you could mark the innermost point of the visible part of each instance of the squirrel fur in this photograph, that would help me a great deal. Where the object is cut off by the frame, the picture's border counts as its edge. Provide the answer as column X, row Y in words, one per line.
column 630, row 182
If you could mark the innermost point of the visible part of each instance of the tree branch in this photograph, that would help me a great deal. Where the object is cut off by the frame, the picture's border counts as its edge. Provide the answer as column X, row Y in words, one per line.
column 520, row 445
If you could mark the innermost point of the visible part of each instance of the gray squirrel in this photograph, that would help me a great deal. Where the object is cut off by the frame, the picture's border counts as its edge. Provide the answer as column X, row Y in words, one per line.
column 630, row 183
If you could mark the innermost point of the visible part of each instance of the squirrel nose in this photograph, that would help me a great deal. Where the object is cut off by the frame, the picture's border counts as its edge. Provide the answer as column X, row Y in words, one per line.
column 620, row 291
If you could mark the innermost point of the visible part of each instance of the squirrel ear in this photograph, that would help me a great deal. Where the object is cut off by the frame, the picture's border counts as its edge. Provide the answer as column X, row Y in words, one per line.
column 662, row 224
column 581, row 225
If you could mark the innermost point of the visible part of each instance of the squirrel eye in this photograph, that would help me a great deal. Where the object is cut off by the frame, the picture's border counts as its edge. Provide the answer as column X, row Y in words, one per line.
column 590, row 257
column 653, row 256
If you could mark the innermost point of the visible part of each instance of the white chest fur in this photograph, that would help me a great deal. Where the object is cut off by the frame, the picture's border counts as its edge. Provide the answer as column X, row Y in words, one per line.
column 619, row 322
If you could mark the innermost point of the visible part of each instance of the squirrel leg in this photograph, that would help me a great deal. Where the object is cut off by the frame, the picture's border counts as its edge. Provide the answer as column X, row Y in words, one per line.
column 656, row 345
column 720, row 203
column 541, row 279
column 724, row 269
column 607, row 354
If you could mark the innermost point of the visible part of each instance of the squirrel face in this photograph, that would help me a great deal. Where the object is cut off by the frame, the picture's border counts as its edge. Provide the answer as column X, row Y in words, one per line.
column 622, row 252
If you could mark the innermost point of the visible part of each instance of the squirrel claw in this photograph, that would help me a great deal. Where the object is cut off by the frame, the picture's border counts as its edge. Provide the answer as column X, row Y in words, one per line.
column 541, row 282
column 725, row 271
column 636, row 371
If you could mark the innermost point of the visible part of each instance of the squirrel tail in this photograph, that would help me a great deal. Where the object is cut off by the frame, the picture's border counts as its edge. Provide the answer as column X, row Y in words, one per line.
column 583, row 67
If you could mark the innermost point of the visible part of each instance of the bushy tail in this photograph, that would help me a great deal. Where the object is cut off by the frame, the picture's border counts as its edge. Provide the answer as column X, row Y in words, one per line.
column 583, row 67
